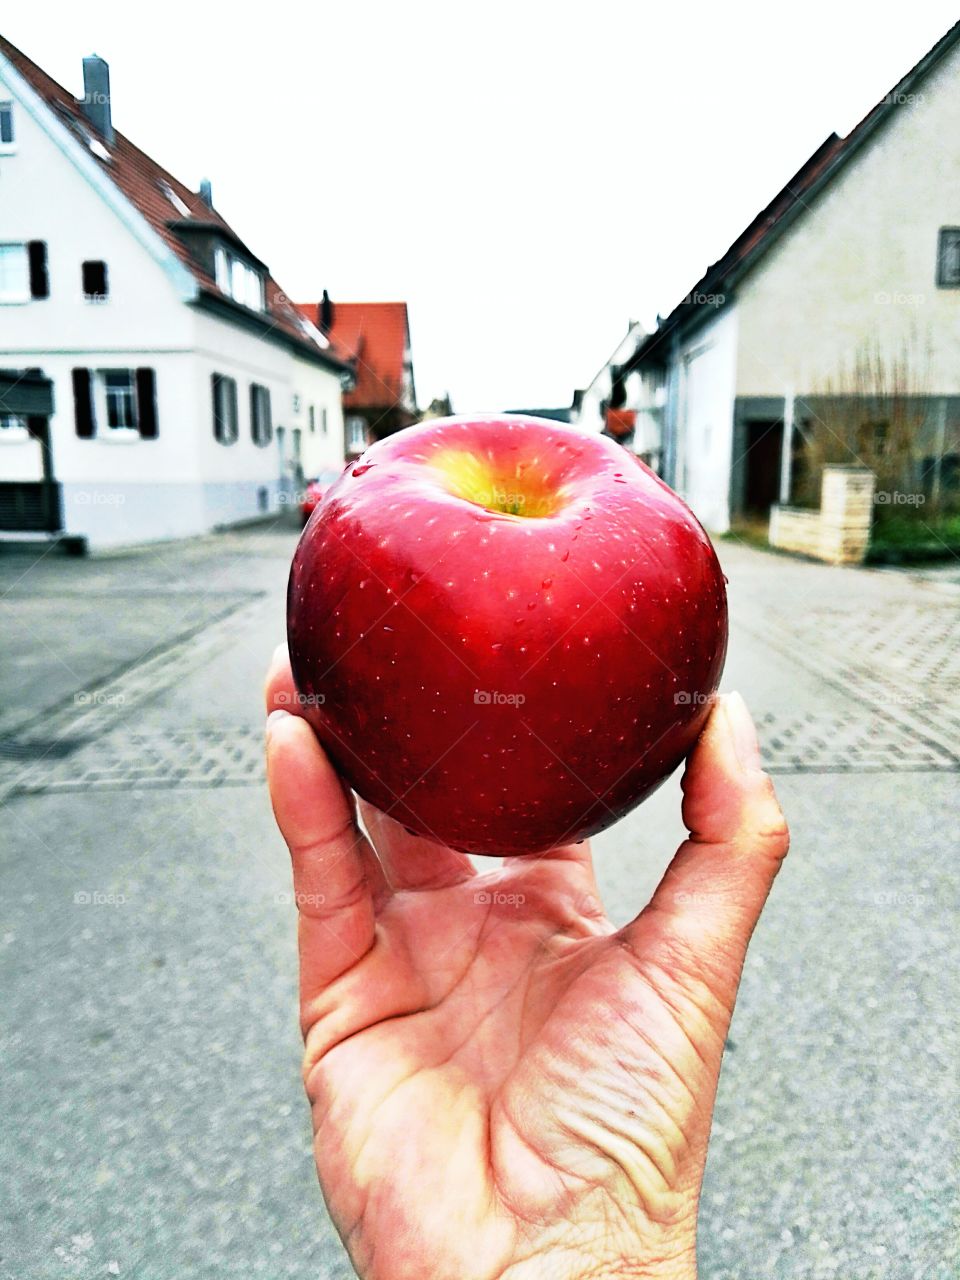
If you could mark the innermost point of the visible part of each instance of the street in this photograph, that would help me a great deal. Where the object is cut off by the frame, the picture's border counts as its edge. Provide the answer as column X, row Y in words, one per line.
column 154, row 1123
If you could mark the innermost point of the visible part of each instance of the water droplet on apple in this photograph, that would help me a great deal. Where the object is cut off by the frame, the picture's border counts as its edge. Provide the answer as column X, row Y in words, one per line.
column 547, row 582
column 565, row 556
column 496, row 647
column 362, row 469
column 388, row 628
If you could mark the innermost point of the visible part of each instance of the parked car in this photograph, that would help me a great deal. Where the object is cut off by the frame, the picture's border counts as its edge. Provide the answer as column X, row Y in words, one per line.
column 314, row 491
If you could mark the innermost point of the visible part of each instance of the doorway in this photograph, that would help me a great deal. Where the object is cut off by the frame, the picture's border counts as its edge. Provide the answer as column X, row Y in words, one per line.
column 762, row 458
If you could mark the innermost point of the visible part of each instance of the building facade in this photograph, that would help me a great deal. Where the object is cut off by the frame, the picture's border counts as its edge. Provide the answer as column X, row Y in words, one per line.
column 832, row 321
column 374, row 337
column 154, row 382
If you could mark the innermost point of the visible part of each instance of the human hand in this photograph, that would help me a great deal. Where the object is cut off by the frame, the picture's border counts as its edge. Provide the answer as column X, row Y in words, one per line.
column 503, row 1086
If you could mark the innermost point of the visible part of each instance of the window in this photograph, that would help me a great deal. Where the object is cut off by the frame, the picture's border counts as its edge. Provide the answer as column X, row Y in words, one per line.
column 356, row 434
column 94, row 281
column 323, row 421
column 312, row 415
column 261, row 423
column 872, row 438
column 180, row 205
column 6, row 125
column 123, row 401
column 120, row 398
column 225, row 417
column 14, row 273
column 12, row 428
column 948, row 258
column 23, row 271
column 238, row 280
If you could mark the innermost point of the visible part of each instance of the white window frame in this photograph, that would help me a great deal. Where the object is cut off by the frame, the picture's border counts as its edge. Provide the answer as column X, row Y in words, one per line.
column 8, row 148
column 13, row 428
column 356, row 427
column 13, row 294
column 103, row 430
column 238, row 280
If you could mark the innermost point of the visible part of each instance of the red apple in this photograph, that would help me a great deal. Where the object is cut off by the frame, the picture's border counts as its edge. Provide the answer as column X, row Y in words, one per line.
column 505, row 632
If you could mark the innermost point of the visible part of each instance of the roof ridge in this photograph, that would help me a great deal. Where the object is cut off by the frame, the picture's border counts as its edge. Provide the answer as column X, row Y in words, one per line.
column 820, row 167
column 137, row 176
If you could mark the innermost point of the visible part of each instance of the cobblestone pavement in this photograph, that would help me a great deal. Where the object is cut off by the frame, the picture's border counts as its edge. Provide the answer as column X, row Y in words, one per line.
column 150, row 1050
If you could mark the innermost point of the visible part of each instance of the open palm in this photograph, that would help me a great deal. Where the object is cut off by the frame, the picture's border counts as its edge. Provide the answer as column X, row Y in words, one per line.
column 502, row 1084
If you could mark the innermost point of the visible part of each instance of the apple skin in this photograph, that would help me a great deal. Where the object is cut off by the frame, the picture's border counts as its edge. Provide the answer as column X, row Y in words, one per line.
column 598, row 631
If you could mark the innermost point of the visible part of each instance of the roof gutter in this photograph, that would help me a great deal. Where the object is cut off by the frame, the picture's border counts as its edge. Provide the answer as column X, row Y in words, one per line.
column 265, row 327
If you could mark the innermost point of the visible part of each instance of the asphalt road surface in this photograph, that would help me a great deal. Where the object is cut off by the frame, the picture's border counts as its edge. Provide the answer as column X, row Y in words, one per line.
column 152, row 1117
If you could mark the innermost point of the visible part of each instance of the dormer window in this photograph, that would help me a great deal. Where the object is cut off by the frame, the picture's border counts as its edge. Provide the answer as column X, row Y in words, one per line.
column 6, row 126
column 238, row 280
column 181, row 206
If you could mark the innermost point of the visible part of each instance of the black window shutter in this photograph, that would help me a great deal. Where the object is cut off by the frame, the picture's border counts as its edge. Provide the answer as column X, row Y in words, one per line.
column 267, row 417
column 83, row 403
column 254, row 413
column 234, row 410
column 147, row 403
column 39, row 277
column 217, row 414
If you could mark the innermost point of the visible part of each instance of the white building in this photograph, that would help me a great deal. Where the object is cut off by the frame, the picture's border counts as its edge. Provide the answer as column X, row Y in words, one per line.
column 859, row 252
column 625, row 404
column 154, row 380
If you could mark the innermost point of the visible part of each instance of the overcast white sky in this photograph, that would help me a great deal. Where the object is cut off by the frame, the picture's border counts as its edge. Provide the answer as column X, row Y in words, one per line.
column 527, row 176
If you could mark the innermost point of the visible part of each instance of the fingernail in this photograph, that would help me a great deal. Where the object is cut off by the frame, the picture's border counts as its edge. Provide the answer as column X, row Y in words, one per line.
column 743, row 732
column 273, row 719
column 279, row 654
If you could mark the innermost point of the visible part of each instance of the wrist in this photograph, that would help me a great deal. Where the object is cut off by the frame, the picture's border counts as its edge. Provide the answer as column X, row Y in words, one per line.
column 679, row 1263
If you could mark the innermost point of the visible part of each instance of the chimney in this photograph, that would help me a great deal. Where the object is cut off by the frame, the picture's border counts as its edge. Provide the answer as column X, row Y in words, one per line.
column 206, row 192
column 95, row 103
column 326, row 313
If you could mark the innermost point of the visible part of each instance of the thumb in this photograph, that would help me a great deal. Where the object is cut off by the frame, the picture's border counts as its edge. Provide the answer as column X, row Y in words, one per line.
column 708, row 902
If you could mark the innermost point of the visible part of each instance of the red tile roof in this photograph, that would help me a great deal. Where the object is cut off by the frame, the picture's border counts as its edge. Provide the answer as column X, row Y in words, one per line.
column 621, row 422
column 377, row 336
column 142, row 181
